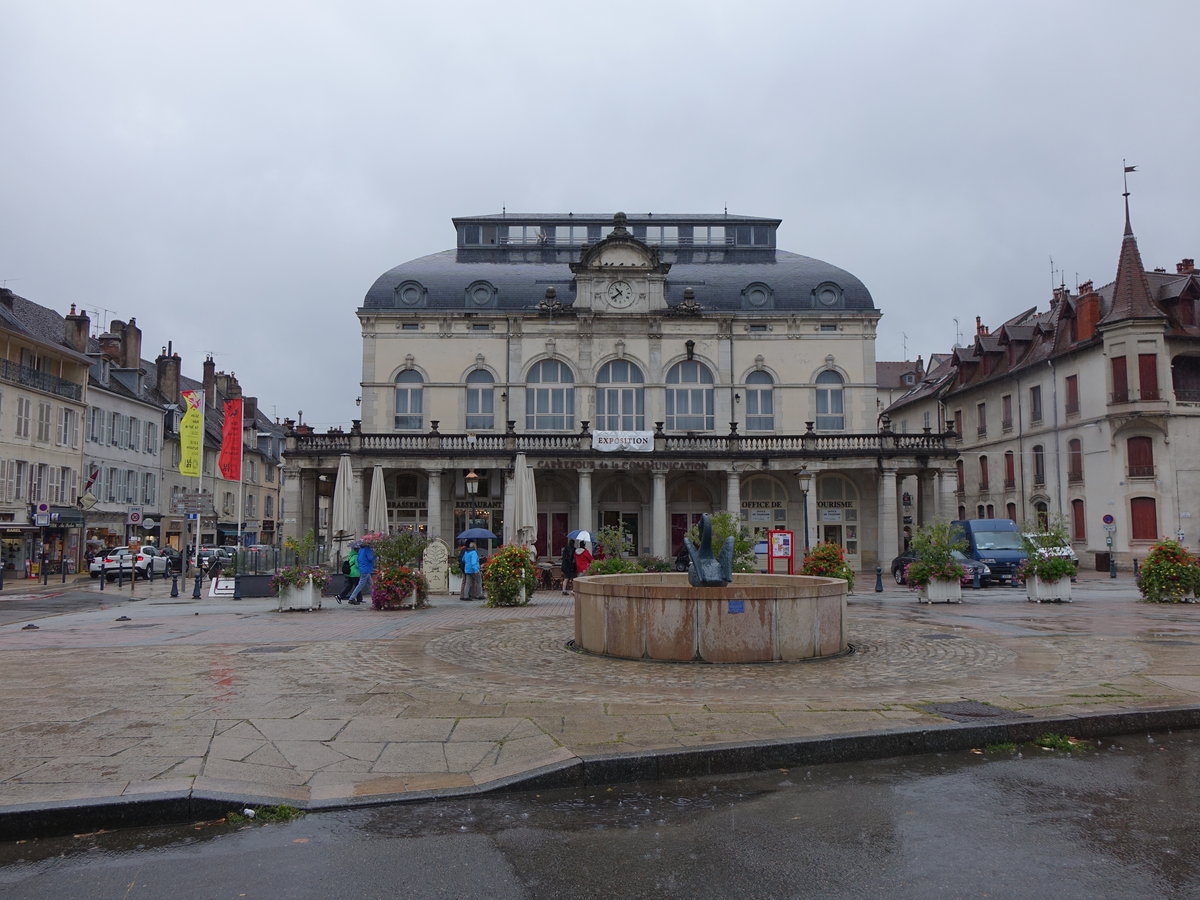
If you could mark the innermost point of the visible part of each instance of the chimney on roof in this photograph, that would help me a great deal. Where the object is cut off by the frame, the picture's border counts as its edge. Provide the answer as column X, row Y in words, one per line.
column 76, row 327
column 1185, row 267
column 1085, row 288
column 979, row 326
column 166, row 368
column 249, row 410
column 210, row 382
column 131, row 356
column 6, row 297
column 111, row 340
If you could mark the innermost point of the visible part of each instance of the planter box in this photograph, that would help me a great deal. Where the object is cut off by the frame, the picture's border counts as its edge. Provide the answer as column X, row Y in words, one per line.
column 221, row 586
column 941, row 592
column 1039, row 591
column 305, row 597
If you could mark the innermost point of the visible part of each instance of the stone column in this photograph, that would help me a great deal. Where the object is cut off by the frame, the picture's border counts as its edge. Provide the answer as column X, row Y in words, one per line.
column 889, row 529
column 733, row 493
column 586, row 513
column 433, row 505
column 291, row 510
column 659, row 537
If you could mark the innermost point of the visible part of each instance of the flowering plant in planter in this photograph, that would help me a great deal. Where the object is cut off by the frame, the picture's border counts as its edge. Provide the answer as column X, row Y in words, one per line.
column 1169, row 575
column 828, row 561
column 398, row 587
column 298, row 577
column 934, row 545
column 504, row 573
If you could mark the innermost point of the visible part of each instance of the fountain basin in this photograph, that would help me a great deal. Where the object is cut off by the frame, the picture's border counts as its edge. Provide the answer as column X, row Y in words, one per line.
column 756, row 618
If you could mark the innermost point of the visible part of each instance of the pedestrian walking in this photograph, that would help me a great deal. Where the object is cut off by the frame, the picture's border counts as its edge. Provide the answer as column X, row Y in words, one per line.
column 350, row 570
column 366, row 565
column 472, row 586
column 583, row 559
column 568, row 567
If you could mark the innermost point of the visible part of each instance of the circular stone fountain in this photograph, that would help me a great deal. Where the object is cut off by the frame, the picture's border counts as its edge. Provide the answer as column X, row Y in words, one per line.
column 756, row 618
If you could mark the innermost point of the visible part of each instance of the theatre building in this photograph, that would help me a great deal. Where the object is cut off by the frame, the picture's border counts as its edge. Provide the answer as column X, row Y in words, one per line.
column 651, row 368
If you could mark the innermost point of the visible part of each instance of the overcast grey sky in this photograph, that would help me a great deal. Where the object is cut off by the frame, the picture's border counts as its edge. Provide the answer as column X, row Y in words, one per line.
column 235, row 175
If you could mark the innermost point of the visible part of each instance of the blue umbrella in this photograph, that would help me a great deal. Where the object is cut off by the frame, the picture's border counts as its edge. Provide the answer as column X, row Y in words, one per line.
column 474, row 534
column 579, row 535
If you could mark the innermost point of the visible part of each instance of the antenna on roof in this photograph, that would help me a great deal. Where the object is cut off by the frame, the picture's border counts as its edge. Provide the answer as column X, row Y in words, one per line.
column 904, row 344
column 957, row 334
column 1053, row 274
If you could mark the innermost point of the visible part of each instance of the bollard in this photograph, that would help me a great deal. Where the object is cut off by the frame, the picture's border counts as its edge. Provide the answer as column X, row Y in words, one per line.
column 174, row 585
column 1, row 576
column 120, row 576
column 1112, row 565
column 64, row 571
column 878, row 580
column 103, row 577
column 1135, row 567
column 976, row 581
column 237, row 587
column 196, row 586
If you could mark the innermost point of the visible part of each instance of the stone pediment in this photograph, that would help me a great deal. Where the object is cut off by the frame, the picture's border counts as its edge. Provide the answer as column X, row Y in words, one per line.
column 620, row 250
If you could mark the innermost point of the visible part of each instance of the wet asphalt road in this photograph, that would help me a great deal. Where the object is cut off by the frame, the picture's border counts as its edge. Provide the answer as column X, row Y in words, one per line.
column 1118, row 819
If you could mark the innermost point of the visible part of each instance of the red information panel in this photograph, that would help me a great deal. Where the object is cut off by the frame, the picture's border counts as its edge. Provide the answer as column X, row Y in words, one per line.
column 780, row 552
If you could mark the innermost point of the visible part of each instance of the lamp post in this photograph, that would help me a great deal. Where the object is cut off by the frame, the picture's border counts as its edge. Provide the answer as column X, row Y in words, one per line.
column 472, row 489
column 805, row 478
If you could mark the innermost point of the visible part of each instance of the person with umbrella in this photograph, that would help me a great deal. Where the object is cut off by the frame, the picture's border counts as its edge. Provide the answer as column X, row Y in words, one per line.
column 472, row 583
column 366, row 566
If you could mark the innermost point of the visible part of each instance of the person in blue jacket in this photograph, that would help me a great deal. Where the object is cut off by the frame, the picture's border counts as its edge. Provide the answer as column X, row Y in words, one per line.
column 472, row 586
column 366, row 565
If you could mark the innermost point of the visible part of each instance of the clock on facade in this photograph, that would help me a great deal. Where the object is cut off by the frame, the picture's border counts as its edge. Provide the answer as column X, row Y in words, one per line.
column 620, row 294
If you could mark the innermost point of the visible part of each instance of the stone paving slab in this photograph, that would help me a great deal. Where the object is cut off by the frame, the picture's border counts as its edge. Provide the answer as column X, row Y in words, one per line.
column 217, row 698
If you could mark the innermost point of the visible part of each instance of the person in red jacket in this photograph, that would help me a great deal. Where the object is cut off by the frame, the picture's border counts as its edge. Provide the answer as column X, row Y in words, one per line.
column 583, row 559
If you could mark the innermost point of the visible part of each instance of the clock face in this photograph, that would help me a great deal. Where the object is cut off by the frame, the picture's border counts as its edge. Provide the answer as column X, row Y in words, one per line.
column 620, row 294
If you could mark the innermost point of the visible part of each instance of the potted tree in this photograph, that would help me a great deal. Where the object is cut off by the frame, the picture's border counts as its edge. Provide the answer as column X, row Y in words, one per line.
column 299, row 585
column 1047, row 571
column 935, row 572
column 1170, row 574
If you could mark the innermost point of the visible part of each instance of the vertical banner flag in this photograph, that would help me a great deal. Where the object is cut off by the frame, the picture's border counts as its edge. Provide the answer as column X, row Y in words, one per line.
column 231, row 441
column 191, row 434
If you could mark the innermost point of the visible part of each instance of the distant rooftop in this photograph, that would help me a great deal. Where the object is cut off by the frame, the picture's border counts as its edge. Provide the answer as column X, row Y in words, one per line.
column 577, row 229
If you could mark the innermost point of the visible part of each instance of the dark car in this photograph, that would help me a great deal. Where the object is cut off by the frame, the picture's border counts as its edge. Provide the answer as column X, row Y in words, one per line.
column 174, row 558
column 973, row 567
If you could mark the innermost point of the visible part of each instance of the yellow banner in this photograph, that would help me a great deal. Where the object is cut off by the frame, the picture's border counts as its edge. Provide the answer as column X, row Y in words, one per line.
column 191, row 434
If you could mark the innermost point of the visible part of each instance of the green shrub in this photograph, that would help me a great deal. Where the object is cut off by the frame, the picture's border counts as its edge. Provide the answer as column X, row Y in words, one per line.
column 828, row 561
column 933, row 545
column 1169, row 574
column 614, row 565
column 614, row 541
column 656, row 564
column 504, row 573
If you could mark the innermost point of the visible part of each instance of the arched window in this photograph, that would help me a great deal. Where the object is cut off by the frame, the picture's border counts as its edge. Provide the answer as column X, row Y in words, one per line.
column 1011, row 511
column 480, row 400
column 1010, row 471
column 1075, row 460
column 1143, row 516
column 620, row 397
column 410, row 401
column 983, row 473
column 830, row 412
column 960, row 480
column 1042, row 514
column 689, row 397
column 550, row 397
column 760, row 402
column 1141, row 457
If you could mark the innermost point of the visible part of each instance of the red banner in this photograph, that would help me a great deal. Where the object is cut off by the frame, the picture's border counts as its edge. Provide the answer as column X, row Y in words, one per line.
column 231, row 441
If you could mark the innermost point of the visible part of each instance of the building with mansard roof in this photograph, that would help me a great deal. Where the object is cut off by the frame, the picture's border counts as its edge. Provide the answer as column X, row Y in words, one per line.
column 1089, row 410
column 651, row 368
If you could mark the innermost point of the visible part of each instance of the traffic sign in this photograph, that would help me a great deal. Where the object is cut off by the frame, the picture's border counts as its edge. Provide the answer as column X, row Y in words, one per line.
column 134, row 515
column 1108, row 520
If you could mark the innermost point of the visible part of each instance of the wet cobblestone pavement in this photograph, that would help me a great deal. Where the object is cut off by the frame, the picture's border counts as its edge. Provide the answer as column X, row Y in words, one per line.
column 345, row 703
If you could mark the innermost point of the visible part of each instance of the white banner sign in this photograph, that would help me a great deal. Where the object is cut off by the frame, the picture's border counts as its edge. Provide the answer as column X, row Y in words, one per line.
column 630, row 441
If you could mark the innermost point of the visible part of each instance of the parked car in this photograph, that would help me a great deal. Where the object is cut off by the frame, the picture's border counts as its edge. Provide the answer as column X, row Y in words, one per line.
column 140, row 564
column 96, row 566
column 994, row 542
column 973, row 567
column 174, row 559
column 210, row 555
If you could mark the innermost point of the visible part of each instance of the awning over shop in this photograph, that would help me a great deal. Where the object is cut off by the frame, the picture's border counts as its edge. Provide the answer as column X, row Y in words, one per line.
column 66, row 517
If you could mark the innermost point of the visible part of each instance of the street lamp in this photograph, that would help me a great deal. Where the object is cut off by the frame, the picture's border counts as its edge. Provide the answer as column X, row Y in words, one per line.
column 805, row 478
column 472, row 489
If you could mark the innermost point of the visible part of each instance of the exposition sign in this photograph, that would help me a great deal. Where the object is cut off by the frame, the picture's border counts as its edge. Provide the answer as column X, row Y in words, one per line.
column 629, row 441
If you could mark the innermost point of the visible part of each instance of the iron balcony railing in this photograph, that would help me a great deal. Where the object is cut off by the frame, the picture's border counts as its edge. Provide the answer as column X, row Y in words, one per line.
column 24, row 375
